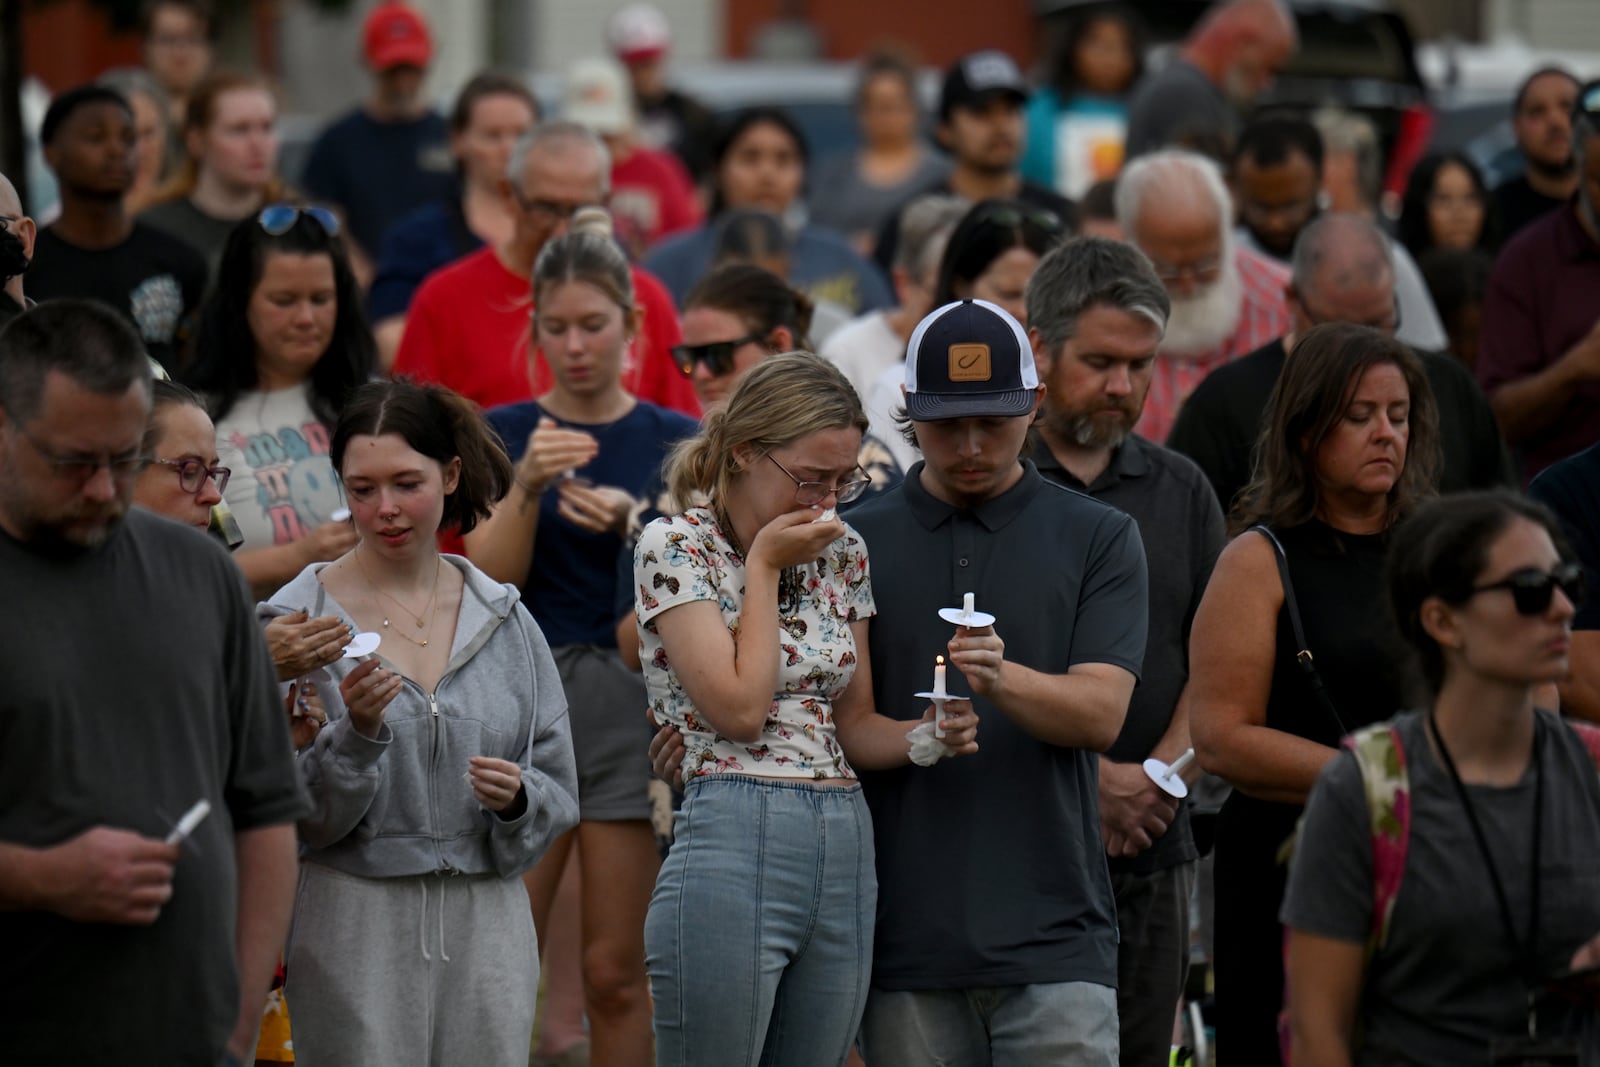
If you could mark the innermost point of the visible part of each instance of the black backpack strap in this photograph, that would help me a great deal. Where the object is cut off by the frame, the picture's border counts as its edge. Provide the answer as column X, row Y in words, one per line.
column 1302, row 656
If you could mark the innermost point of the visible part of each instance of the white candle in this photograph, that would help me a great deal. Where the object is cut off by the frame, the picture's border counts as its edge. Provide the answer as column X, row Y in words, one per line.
column 938, row 676
column 969, row 604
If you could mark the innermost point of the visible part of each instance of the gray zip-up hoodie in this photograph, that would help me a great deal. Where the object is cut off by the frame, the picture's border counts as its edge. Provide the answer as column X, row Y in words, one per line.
column 399, row 804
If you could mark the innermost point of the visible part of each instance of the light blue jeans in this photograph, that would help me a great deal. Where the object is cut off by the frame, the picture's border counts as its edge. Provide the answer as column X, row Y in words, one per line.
column 759, row 937
column 1042, row 1025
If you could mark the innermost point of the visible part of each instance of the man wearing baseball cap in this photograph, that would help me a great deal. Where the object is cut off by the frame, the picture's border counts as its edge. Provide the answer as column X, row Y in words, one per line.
column 640, row 38
column 996, row 930
column 391, row 155
column 981, row 125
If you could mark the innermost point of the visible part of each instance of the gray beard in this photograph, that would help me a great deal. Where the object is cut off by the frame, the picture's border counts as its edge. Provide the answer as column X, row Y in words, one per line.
column 1198, row 325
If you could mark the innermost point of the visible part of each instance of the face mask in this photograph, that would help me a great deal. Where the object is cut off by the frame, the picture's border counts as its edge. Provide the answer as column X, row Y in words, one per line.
column 13, row 257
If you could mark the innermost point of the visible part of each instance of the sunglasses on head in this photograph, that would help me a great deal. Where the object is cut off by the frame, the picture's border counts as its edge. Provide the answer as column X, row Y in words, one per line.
column 1006, row 215
column 279, row 219
column 1533, row 590
column 716, row 355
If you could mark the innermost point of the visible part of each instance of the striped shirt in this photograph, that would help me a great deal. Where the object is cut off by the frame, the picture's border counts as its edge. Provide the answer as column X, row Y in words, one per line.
column 1263, row 316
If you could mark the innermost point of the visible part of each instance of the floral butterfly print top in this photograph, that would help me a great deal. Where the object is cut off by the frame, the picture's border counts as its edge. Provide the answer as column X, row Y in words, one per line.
column 686, row 558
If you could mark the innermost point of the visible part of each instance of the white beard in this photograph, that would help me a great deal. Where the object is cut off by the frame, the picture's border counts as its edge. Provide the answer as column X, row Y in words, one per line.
column 1199, row 324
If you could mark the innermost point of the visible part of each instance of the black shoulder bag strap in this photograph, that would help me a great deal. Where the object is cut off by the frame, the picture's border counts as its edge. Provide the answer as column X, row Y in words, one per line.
column 1302, row 654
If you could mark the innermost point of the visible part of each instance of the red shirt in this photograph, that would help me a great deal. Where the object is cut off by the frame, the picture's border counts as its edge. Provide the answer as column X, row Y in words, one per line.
column 651, row 197
column 1263, row 316
column 471, row 322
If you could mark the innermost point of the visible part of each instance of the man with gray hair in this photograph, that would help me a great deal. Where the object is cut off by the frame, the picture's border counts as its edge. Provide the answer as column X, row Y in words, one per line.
column 1342, row 272
column 1096, row 314
column 468, row 324
column 1227, row 300
column 1540, row 355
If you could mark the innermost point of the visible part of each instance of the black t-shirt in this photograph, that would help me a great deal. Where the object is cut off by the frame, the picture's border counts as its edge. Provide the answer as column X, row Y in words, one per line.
column 1035, row 196
column 1218, row 425
column 1518, row 203
column 136, row 683
column 1571, row 489
column 991, row 869
column 682, row 125
column 154, row 279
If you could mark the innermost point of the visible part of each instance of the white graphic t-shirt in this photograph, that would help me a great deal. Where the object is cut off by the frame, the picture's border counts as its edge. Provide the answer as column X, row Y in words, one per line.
column 283, row 484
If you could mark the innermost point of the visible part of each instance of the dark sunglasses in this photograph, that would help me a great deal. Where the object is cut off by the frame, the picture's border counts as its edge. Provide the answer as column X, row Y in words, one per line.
column 1532, row 590
column 279, row 219
column 717, row 355
column 1006, row 215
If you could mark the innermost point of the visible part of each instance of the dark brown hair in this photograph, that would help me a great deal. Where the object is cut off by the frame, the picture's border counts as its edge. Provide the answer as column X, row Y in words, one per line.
column 481, row 87
column 761, row 300
column 441, row 425
column 1313, row 392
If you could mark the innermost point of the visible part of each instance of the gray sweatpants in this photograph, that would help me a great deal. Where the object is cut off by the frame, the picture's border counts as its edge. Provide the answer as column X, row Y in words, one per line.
column 427, row 970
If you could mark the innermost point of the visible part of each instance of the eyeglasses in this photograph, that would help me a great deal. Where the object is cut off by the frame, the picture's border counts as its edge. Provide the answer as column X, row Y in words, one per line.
column 81, row 468
column 807, row 494
column 716, row 355
column 1203, row 272
column 279, row 219
column 1389, row 324
column 1532, row 590
column 550, row 209
column 192, row 474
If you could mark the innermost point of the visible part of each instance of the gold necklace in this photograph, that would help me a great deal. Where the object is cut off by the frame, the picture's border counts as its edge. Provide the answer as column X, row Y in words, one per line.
column 428, row 611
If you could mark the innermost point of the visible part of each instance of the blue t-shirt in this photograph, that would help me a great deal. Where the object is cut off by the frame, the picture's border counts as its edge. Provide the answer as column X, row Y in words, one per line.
column 379, row 172
column 571, row 587
column 820, row 262
column 433, row 236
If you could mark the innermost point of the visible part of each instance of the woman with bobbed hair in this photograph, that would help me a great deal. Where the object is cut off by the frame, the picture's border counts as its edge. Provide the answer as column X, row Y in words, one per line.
column 445, row 769
column 1349, row 449
column 282, row 344
column 1449, row 864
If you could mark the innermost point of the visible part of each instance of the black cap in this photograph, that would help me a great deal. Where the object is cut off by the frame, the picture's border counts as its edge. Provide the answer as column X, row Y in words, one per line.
column 969, row 358
column 976, row 77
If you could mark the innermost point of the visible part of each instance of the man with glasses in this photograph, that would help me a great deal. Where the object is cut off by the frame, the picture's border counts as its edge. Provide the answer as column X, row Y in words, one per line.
column 17, row 236
column 1539, row 359
column 137, row 685
column 1226, row 299
column 1341, row 272
column 470, row 324
column 94, row 250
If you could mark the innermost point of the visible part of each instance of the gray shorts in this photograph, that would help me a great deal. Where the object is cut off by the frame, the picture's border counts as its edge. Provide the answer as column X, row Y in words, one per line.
column 610, row 733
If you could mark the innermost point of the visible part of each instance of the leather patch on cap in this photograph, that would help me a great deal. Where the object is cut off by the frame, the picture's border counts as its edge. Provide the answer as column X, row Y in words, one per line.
column 970, row 363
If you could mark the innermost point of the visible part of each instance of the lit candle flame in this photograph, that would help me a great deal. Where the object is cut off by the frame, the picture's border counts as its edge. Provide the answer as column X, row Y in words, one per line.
column 939, row 660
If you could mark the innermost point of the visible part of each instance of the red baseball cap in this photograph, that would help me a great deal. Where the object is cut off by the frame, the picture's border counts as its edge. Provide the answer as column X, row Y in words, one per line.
column 395, row 35
column 639, row 32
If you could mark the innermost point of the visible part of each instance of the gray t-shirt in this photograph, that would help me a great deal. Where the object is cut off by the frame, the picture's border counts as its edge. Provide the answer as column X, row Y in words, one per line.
column 1448, row 978
column 136, row 683
column 842, row 197
column 204, row 233
column 991, row 870
column 1179, row 106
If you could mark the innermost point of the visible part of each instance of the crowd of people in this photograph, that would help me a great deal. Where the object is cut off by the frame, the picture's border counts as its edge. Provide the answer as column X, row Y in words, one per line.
column 577, row 503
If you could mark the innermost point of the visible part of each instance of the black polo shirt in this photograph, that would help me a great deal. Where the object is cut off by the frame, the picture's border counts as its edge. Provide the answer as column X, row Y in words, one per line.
column 990, row 867
column 1181, row 527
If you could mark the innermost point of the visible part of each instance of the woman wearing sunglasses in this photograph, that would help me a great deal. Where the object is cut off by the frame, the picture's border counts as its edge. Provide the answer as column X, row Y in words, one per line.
column 584, row 451
column 1350, row 448
column 740, row 315
column 283, row 342
column 1498, row 883
column 753, row 613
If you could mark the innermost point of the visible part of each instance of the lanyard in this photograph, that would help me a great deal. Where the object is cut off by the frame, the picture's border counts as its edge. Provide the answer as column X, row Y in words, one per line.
column 1528, row 951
